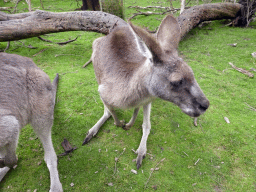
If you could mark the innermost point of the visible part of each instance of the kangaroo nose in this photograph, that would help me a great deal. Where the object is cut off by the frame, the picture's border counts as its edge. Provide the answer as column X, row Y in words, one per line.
column 204, row 104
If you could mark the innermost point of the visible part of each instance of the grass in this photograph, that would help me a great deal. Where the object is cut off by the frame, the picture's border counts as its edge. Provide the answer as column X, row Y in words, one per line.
column 215, row 156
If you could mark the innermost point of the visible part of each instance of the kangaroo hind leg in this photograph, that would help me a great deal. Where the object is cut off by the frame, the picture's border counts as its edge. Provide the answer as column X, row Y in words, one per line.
column 132, row 121
column 42, row 126
column 94, row 130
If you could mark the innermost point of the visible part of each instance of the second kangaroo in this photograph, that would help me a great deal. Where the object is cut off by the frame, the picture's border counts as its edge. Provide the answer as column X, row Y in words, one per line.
column 133, row 68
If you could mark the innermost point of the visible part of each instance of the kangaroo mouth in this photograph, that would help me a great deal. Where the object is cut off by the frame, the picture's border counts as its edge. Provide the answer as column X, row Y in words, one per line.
column 193, row 112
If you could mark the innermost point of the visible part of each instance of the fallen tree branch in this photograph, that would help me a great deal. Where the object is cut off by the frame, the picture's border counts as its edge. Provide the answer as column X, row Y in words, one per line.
column 57, row 55
column 241, row 70
column 87, row 63
column 43, row 22
column 152, row 172
column 39, row 52
column 59, row 43
column 167, row 9
column 5, row 8
column 148, row 7
column 195, row 121
column 252, row 108
column 157, row 7
column 28, row 46
column 15, row 8
column 116, row 159
column 182, row 6
column 147, row 14
column 16, row 26
column 7, row 47
column 193, row 16
column 67, row 148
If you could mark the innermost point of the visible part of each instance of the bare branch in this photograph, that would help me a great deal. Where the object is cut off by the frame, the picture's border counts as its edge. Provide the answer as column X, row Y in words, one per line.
column 153, row 171
column 252, row 108
column 87, row 63
column 59, row 43
column 28, row 46
column 5, row 8
column 241, row 70
column 116, row 159
column 147, row 14
column 148, row 7
column 6, row 48
column 39, row 52
column 14, row 10
column 42, row 4
column 182, row 6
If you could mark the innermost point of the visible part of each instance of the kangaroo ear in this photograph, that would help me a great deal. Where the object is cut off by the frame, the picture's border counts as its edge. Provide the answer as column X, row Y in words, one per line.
column 150, row 41
column 168, row 34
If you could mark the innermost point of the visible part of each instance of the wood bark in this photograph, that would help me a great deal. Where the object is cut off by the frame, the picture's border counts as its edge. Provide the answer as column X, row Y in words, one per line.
column 32, row 24
column 193, row 16
column 22, row 26
column 246, row 14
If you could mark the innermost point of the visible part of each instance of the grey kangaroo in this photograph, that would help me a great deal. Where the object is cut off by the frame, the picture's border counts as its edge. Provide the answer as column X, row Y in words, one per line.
column 26, row 96
column 133, row 68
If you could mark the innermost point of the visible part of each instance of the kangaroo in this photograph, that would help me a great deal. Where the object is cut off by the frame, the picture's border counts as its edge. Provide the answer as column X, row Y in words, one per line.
column 26, row 96
column 133, row 68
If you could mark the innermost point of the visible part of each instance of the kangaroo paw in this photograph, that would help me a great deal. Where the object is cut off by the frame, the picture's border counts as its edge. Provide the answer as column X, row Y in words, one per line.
column 87, row 138
column 140, row 157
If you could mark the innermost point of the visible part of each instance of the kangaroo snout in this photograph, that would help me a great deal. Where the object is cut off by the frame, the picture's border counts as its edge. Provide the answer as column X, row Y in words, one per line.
column 200, row 106
column 204, row 104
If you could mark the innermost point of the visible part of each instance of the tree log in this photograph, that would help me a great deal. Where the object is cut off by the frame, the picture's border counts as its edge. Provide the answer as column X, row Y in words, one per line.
column 32, row 24
column 193, row 16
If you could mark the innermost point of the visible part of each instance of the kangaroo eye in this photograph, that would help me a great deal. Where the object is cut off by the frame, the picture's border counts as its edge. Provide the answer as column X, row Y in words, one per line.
column 177, row 84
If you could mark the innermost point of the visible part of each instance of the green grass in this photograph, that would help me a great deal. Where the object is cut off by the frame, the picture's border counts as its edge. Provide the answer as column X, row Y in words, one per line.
column 225, row 153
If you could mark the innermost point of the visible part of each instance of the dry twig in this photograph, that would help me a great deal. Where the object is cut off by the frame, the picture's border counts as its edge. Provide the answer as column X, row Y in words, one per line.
column 7, row 47
column 197, row 161
column 28, row 46
column 148, row 7
column 116, row 159
column 146, row 14
column 5, row 8
column 15, row 7
column 167, row 9
column 195, row 121
column 68, row 117
column 182, row 6
column 153, row 171
column 67, row 147
column 42, row 4
column 252, row 108
column 87, row 63
column 59, row 43
column 241, row 70
column 57, row 55
column 39, row 52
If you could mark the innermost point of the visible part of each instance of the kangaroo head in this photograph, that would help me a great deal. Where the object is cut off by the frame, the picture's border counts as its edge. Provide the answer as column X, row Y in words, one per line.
column 171, row 78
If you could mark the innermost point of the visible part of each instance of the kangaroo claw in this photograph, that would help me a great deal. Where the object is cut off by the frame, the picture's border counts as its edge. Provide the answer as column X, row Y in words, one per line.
column 139, row 160
column 87, row 138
